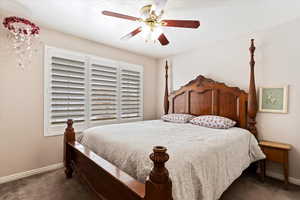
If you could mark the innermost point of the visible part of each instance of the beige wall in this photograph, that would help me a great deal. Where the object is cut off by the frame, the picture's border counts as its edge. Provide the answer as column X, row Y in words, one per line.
column 278, row 63
column 22, row 145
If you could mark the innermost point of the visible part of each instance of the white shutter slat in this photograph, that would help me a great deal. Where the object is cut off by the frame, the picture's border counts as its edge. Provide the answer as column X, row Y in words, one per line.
column 64, row 81
column 67, row 61
column 63, row 121
column 67, row 71
column 103, row 77
column 61, row 67
column 103, row 91
column 66, row 76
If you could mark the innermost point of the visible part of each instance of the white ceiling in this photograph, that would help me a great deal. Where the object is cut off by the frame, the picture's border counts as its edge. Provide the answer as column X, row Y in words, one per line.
column 220, row 19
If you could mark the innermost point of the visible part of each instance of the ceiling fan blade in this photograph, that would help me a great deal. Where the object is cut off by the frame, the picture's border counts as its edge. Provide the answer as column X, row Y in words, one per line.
column 181, row 23
column 118, row 15
column 131, row 34
column 159, row 6
column 163, row 40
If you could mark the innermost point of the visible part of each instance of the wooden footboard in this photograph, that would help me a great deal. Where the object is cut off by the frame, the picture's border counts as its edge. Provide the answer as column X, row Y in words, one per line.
column 108, row 181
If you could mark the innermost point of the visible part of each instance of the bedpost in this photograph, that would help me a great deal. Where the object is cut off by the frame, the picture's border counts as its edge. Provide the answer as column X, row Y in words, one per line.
column 69, row 136
column 252, row 100
column 166, row 100
column 158, row 184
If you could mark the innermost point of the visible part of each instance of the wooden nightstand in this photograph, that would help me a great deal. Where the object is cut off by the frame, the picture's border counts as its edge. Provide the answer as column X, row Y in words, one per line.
column 276, row 152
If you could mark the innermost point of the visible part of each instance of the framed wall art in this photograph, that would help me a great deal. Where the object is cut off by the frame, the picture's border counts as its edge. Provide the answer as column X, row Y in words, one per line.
column 273, row 99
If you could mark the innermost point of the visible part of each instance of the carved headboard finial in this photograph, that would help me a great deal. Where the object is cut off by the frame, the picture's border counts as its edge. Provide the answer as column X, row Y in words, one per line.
column 166, row 67
column 252, row 50
column 166, row 100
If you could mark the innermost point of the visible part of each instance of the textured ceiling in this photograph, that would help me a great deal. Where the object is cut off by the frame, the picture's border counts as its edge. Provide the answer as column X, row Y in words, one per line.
column 220, row 19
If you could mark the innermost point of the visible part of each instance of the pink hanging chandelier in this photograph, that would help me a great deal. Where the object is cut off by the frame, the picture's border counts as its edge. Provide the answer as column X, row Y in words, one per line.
column 22, row 33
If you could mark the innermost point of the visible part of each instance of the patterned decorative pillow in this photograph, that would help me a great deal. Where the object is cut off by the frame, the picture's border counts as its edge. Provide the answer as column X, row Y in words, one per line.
column 177, row 118
column 212, row 121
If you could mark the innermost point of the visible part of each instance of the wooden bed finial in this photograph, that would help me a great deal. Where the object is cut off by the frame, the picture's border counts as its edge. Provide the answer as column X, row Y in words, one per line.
column 159, row 173
column 159, row 184
column 69, row 136
column 69, row 132
column 166, row 100
column 252, row 100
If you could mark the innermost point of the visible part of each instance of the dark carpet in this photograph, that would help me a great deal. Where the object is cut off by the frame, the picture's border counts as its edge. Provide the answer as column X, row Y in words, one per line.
column 54, row 186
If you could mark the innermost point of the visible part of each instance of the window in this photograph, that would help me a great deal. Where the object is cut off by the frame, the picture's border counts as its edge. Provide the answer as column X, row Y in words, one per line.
column 90, row 90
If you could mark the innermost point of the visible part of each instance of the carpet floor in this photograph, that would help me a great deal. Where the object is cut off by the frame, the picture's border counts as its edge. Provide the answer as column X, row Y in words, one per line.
column 54, row 186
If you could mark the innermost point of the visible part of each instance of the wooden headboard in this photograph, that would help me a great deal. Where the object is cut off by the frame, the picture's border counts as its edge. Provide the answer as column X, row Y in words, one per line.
column 203, row 96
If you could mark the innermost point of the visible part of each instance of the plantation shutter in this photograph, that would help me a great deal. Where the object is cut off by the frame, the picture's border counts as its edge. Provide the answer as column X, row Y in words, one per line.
column 66, row 91
column 103, row 91
column 131, row 92
column 89, row 90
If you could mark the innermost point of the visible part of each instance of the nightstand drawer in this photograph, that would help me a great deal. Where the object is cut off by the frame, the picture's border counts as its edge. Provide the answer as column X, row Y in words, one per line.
column 275, row 155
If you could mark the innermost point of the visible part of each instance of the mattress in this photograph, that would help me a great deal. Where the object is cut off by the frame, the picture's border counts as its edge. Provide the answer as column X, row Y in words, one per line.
column 203, row 161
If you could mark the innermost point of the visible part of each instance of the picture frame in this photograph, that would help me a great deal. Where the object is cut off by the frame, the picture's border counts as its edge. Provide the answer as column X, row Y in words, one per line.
column 273, row 99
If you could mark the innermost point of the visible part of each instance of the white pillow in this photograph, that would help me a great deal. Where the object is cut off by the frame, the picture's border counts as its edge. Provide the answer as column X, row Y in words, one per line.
column 177, row 118
column 212, row 121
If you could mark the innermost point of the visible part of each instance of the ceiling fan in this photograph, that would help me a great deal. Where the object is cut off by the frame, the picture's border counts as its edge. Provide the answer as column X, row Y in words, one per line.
column 151, row 21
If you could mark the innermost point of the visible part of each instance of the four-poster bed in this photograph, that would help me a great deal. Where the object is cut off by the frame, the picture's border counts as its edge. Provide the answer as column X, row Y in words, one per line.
column 201, row 96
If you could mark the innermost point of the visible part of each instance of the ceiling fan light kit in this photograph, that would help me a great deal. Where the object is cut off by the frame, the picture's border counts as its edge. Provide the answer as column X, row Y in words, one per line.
column 151, row 22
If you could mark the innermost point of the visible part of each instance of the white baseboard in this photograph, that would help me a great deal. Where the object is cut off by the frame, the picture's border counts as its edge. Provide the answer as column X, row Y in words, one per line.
column 20, row 175
column 281, row 177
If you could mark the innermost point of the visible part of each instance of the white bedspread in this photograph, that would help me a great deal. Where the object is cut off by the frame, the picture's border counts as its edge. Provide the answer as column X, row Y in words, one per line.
column 203, row 161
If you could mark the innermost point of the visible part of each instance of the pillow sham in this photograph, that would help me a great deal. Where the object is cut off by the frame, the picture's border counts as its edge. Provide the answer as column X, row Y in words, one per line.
column 213, row 121
column 177, row 118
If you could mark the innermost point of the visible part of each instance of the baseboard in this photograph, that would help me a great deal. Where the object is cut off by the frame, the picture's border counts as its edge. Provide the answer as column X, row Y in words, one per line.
column 281, row 177
column 20, row 175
